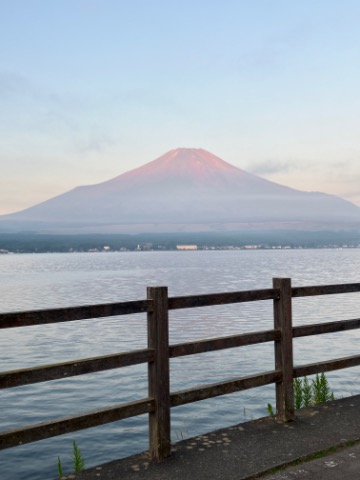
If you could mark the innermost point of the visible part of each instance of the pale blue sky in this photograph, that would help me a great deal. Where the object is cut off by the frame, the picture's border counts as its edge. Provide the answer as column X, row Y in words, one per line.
column 92, row 88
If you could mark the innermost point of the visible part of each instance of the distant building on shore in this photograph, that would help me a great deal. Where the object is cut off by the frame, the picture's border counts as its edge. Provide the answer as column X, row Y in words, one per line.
column 186, row 247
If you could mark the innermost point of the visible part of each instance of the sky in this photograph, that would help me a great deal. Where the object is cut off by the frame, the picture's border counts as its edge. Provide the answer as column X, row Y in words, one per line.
column 90, row 89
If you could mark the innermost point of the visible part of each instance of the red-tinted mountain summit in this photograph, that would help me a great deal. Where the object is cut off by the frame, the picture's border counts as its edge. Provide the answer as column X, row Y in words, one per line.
column 189, row 167
column 186, row 189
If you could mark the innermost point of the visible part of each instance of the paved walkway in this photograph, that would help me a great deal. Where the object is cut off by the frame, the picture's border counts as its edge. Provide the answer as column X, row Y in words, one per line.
column 344, row 464
column 254, row 449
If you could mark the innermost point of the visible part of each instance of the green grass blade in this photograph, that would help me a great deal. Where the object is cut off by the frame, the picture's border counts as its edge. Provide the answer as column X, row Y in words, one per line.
column 78, row 459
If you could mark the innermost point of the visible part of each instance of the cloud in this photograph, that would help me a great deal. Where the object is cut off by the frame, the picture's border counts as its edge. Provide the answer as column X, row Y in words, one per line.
column 95, row 141
column 13, row 84
column 23, row 99
column 14, row 87
column 270, row 167
column 330, row 170
column 30, row 110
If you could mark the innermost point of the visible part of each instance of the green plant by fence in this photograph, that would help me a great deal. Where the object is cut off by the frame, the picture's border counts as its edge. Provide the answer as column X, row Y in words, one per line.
column 160, row 399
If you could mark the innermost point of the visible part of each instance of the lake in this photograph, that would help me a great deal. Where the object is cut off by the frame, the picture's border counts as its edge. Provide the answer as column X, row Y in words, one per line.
column 59, row 280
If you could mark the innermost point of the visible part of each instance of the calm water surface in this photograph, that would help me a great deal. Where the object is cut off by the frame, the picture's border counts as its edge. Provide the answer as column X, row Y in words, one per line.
column 57, row 280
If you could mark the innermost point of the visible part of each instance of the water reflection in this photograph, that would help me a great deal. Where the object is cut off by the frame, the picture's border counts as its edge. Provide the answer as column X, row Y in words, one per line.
column 54, row 280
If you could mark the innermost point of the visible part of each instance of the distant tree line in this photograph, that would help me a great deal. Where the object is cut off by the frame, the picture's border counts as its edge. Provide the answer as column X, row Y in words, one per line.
column 40, row 243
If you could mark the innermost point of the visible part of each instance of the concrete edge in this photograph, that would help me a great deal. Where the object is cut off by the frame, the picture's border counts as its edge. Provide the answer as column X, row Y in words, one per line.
column 304, row 459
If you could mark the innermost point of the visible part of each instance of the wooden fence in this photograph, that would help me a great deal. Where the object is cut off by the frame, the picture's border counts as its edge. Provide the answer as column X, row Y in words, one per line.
column 160, row 399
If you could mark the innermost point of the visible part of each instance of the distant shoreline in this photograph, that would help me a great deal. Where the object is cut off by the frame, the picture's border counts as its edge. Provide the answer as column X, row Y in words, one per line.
column 29, row 242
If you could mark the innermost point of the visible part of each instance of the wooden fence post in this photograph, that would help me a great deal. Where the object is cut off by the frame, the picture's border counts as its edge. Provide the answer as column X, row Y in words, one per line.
column 158, row 373
column 284, row 350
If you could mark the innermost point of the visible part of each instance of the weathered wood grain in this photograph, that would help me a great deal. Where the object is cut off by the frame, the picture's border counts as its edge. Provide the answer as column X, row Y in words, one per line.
column 57, row 315
column 40, row 431
column 326, row 327
column 159, row 373
column 231, row 341
column 182, row 397
column 327, row 366
column 221, row 298
column 325, row 289
column 284, row 350
column 46, row 373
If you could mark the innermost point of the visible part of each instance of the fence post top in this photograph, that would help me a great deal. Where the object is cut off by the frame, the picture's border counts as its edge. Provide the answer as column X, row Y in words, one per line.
column 162, row 290
column 277, row 281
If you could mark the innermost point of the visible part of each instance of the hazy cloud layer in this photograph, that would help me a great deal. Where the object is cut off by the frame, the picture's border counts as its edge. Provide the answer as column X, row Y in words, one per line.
column 270, row 167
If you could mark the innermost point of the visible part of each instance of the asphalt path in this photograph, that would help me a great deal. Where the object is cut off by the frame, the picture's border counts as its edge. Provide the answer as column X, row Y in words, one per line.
column 321, row 443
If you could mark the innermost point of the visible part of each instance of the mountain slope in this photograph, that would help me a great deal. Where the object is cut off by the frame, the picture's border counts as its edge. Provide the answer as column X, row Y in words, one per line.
column 183, row 189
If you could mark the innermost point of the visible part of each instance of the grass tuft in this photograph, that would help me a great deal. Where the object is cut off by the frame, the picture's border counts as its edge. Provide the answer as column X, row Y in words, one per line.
column 59, row 466
column 78, row 459
column 314, row 393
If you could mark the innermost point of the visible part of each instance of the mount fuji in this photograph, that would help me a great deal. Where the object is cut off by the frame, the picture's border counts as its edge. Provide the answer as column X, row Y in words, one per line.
column 185, row 189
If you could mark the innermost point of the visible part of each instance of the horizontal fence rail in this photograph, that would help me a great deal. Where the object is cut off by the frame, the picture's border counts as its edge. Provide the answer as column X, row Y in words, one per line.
column 212, row 344
column 325, row 290
column 223, row 388
column 159, row 352
column 328, row 327
column 40, row 431
column 327, row 366
column 58, row 315
column 26, row 376
column 213, row 299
